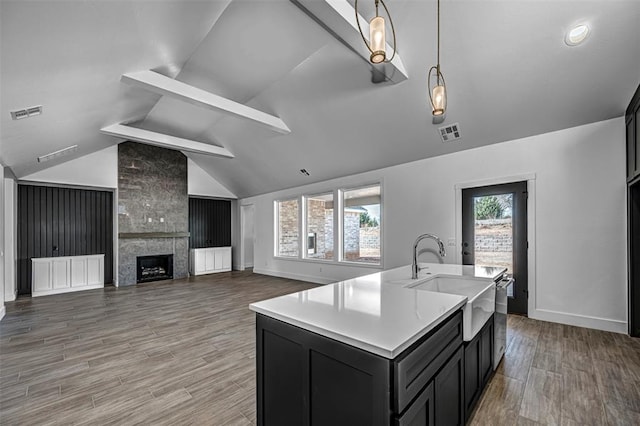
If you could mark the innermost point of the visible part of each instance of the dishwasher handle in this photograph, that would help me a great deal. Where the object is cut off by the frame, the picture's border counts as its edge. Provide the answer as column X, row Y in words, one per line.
column 505, row 282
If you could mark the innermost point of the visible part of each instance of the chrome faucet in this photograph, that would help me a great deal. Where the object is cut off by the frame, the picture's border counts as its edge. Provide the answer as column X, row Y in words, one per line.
column 414, row 266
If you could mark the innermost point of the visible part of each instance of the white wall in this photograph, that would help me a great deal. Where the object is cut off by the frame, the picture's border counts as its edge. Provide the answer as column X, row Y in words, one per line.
column 578, row 243
column 247, row 231
column 2, row 242
column 201, row 183
column 98, row 169
column 10, row 201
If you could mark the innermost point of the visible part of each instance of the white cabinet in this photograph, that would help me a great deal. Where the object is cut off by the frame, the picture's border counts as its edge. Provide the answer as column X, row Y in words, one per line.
column 210, row 260
column 52, row 275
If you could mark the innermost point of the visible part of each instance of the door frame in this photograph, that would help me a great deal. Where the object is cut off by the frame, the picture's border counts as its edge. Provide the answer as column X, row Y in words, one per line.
column 530, row 178
column 243, row 209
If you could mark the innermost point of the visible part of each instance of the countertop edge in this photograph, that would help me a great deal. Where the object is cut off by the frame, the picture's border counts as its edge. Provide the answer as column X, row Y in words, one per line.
column 368, row 347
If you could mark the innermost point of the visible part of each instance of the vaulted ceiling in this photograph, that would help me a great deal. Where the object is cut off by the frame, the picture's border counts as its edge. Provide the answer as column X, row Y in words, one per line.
column 509, row 75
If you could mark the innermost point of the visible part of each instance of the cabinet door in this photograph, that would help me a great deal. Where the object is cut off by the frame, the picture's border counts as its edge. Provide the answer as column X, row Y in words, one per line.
column 219, row 254
column 60, row 274
column 226, row 258
column 632, row 145
column 198, row 256
column 486, row 352
column 95, row 270
column 209, row 260
column 636, row 139
column 449, row 391
column 41, row 276
column 472, row 378
column 420, row 412
column 79, row 272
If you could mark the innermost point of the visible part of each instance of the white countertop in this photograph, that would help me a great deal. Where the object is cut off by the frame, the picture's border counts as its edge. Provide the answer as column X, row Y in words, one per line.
column 372, row 312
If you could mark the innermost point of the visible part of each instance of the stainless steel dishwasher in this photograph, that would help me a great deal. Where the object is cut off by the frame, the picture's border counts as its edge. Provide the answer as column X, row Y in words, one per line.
column 500, row 319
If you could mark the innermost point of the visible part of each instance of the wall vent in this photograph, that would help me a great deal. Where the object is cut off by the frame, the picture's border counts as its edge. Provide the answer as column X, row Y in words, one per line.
column 19, row 114
column 450, row 133
column 59, row 153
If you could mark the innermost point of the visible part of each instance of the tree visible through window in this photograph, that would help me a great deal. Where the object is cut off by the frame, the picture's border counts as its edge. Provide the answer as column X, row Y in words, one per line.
column 361, row 219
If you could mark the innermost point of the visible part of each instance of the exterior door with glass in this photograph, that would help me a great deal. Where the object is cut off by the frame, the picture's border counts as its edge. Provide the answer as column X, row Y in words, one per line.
column 494, row 233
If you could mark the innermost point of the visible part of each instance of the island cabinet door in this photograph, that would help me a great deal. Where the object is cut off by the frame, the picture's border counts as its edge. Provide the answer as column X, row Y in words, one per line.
column 472, row 378
column 486, row 352
column 307, row 379
column 478, row 366
column 421, row 411
column 449, row 391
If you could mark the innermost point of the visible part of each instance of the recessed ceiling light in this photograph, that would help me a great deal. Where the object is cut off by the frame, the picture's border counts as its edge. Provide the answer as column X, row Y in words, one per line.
column 577, row 35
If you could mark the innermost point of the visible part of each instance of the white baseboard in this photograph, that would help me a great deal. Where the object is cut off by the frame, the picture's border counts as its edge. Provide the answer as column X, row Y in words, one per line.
column 2, row 311
column 604, row 324
column 291, row 276
column 239, row 267
column 11, row 297
column 65, row 290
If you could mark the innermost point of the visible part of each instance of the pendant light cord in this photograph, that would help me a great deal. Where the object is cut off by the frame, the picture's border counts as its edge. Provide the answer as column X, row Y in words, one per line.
column 438, row 35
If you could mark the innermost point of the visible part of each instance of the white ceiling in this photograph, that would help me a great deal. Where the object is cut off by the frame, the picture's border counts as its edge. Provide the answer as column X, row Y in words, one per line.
column 509, row 75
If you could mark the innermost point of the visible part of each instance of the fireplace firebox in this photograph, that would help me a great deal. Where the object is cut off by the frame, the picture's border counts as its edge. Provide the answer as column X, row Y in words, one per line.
column 154, row 268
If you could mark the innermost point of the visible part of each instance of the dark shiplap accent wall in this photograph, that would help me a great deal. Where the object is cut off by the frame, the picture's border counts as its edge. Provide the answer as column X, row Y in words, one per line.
column 56, row 222
column 209, row 223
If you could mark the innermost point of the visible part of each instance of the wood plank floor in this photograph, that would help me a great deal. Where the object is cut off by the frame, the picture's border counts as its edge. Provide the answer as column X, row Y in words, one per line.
column 183, row 352
column 554, row 374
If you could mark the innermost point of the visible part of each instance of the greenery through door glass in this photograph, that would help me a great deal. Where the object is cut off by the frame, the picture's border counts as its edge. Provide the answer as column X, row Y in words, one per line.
column 494, row 231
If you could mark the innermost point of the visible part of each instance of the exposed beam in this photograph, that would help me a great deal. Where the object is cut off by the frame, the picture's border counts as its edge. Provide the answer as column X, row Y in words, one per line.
column 338, row 17
column 165, row 141
column 164, row 85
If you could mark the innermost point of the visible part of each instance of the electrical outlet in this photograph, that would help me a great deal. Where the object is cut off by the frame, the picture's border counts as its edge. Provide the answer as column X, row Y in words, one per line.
column 451, row 242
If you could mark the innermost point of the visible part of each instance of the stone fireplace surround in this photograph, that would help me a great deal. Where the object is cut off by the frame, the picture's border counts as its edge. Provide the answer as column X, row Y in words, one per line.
column 152, row 208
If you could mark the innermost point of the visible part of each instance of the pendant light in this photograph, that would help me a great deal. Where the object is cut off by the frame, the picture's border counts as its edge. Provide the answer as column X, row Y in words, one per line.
column 436, row 84
column 377, row 35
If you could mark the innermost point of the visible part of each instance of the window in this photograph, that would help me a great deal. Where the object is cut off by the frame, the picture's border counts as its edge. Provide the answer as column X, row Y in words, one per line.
column 319, row 220
column 288, row 228
column 361, row 223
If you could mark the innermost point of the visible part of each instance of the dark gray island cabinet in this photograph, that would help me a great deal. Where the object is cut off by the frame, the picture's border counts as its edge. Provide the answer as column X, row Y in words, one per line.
column 304, row 378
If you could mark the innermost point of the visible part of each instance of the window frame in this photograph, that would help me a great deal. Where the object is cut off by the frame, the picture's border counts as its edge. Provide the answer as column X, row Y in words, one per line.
column 338, row 227
column 305, row 224
column 341, row 192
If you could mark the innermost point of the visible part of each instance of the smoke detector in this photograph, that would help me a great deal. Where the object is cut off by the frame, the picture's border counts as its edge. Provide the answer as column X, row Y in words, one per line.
column 19, row 114
column 450, row 133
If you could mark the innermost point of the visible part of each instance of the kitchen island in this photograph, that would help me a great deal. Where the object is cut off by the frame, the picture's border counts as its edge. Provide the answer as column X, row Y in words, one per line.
column 370, row 350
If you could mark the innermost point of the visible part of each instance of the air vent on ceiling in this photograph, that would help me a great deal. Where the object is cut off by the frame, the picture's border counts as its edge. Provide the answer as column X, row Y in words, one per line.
column 450, row 133
column 304, row 172
column 59, row 153
column 19, row 114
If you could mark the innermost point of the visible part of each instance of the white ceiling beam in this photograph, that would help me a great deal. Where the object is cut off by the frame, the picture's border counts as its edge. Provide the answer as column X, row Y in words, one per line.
column 338, row 17
column 163, row 85
column 165, row 141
